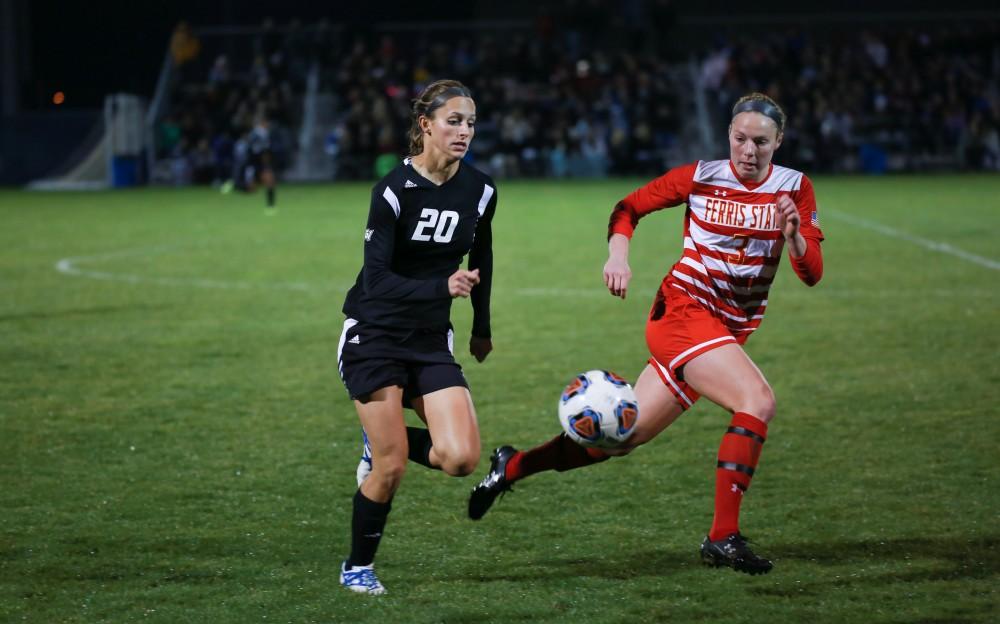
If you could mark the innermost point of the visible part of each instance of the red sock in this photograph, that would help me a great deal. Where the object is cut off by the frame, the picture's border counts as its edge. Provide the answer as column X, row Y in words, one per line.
column 560, row 453
column 738, row 456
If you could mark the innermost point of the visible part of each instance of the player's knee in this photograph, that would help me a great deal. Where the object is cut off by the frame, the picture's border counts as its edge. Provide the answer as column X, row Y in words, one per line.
column 763, row 404
column 458, row 462
column 389, row 471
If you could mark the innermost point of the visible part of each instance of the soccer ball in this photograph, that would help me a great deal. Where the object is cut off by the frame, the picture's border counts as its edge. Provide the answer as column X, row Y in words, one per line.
column 598, row 408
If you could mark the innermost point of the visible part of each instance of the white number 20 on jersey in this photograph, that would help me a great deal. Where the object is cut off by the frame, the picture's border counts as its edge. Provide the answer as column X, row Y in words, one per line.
column 443, row 223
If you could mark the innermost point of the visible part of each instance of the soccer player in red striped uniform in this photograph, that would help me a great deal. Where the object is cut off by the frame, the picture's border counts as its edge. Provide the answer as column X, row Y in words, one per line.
column 742, row 214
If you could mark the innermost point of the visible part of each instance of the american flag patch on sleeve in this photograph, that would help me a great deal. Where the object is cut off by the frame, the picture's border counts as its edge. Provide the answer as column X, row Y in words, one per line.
column 814, row 219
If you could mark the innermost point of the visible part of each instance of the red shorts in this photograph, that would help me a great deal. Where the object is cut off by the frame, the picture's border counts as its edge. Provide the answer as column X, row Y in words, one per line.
column 680, row 329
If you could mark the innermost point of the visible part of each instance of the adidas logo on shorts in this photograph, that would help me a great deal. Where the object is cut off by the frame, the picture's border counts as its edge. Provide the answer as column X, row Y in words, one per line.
column 355, row 340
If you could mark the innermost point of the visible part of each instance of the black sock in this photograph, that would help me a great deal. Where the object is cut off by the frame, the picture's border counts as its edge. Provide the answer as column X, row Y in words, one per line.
column 270, row 197
column 420, row 446
column 366, row 529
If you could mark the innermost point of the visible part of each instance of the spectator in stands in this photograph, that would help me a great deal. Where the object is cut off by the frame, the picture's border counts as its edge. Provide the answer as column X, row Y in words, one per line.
column 912, row 94
column 202, row 163
column 222, row 151
column 219, row 74
column 567, row 101
column 184, row 45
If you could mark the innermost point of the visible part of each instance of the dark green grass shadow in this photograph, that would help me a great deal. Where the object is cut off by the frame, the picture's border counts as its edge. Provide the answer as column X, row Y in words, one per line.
column 73, row 312
column 941, row 558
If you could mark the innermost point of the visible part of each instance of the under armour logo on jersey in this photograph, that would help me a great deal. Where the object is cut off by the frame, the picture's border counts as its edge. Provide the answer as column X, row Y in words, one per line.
column 718, row 192
column 410, row 184
column 355, row 340
column 368, row 235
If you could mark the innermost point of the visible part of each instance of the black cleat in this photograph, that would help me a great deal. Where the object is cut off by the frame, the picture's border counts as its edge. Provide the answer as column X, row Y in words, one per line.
column 494, row 484
column 733, row 552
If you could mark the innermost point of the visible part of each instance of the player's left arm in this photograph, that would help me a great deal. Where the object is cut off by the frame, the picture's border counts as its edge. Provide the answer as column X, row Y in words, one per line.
column 799, row 223
column 481, row 257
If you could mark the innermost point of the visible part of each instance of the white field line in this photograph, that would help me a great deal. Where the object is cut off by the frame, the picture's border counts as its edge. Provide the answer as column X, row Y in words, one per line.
column 943, row 293
column 561, row 292
column 71, row 266
column 68, row 266
column 910, row 238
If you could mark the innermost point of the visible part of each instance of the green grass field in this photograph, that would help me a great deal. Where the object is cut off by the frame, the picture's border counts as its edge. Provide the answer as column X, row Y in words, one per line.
column 176, row 445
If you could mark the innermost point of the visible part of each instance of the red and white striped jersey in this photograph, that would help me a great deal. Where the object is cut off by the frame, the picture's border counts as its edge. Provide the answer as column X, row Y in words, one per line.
column 732, row 243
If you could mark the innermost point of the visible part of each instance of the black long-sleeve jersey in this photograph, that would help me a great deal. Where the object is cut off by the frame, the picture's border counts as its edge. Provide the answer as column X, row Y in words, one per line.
column 416, row 237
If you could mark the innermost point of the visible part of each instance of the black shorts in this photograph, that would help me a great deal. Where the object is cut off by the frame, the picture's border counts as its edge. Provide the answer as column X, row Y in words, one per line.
column 418, row 360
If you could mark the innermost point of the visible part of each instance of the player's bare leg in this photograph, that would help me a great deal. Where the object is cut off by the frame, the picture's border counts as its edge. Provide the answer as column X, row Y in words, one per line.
column 728, row 377
column 382, row 419
column 454, row 430
column 658, row 409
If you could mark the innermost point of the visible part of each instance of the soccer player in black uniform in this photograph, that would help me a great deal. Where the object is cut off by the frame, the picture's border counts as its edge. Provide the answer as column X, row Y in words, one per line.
column 396, row 346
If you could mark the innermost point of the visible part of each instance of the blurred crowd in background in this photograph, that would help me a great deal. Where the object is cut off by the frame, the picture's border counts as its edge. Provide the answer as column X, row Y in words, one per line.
column 902, row 99
column 542, row 111
column 223, row 89
column 589, row 93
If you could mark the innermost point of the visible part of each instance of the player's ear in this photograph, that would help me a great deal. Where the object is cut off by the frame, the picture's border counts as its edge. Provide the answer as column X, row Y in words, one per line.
column 777, row 141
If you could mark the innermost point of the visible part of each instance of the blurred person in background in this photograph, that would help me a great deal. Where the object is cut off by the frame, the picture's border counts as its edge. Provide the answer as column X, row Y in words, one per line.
column 184, row 45
column 255, row 162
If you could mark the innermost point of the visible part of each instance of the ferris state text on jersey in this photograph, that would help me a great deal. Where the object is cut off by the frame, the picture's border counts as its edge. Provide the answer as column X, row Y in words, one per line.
column 718, row 198
column 735, row 214
column 416, row 236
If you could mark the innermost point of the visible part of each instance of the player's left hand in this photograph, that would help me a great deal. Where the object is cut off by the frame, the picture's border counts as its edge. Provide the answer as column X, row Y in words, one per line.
column 480, row 347
column 788, row 217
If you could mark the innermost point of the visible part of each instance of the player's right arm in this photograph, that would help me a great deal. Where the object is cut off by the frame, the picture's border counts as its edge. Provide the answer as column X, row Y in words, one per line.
column 380, row 240
column 670, row 189
column 617, row 273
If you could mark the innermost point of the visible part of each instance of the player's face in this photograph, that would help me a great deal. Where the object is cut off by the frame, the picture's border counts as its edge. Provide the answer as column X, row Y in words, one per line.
column 753, row 137
column 452, row 127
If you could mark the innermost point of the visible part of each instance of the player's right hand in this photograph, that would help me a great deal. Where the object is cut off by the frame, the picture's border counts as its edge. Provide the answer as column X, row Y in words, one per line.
column 617, row 275
column 461, row 282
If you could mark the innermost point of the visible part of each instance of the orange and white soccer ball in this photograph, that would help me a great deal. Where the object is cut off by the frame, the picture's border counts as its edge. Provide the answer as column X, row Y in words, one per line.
column 598, row 408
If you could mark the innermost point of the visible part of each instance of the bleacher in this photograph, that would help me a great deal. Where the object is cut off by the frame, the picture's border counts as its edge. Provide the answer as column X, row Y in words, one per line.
column 557, row 98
